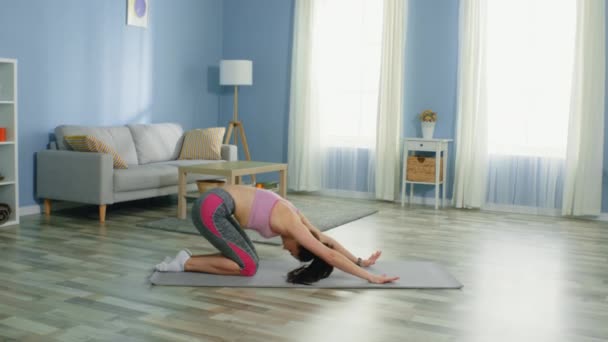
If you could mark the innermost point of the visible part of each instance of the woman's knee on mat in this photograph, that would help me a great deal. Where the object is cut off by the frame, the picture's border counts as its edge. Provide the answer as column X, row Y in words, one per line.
column 250, row 267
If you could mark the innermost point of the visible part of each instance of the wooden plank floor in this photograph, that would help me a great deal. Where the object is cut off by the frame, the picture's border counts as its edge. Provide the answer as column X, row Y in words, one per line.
column 526, row 278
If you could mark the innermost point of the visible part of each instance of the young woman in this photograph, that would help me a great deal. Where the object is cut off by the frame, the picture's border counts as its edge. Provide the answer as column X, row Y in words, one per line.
column 220, row 213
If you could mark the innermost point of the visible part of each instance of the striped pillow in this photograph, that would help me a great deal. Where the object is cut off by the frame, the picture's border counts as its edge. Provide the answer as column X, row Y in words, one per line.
column 203, row 144
column 88, row 143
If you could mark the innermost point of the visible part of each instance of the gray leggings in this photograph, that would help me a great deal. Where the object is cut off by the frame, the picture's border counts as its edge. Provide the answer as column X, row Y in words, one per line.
column 212, row 214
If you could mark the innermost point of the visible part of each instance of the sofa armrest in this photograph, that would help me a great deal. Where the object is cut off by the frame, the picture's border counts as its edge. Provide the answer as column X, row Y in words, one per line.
column 229, row 152
column 84, row 177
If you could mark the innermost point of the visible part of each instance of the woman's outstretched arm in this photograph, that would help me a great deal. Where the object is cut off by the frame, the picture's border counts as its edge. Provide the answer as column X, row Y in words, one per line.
column 338, row 247
column 304, row 237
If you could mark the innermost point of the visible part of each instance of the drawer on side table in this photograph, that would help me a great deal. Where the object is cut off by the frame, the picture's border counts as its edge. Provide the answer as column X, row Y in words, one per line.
column 430, row 146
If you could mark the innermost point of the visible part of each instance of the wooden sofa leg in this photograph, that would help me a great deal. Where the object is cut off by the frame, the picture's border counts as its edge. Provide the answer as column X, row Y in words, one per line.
column 47, row 207
column 102, row 213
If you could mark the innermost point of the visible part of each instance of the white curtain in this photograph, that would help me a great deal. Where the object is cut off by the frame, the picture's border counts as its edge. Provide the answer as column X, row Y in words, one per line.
column 334, row 95
column 519, row 97
column 529, row 76
column 304, row 149
column 471, row 129
column 390, row 102
column 583, row 185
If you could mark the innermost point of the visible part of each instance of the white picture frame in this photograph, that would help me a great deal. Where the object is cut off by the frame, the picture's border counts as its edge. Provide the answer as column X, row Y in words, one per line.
column 137, row 12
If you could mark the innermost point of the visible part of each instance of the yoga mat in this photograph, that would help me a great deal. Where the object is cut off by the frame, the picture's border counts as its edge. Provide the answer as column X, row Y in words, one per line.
column 271, row 274
column 325, row 213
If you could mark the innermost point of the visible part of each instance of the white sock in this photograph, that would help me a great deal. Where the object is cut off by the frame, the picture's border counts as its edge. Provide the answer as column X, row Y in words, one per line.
column 176, row 264
column 167, row 260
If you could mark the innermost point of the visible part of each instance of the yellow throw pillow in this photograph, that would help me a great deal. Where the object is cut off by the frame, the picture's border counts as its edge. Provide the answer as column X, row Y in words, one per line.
column 203, row 144
column 88, row 143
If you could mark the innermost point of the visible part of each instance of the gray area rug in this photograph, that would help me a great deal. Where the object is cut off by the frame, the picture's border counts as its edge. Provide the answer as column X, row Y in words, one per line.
column 325, row 213
column 271, row 274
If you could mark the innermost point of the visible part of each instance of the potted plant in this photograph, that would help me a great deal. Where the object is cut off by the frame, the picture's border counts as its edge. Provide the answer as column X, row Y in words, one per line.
column 428, row 118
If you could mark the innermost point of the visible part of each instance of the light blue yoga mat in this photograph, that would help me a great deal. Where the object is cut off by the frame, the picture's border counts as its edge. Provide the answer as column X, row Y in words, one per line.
column 271, row 274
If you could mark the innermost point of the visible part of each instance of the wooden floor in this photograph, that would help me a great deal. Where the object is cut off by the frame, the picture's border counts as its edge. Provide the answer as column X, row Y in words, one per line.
column 526, row 278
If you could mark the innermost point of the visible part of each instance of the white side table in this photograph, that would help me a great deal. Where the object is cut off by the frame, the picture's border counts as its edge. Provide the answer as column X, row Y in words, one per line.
column 440, row 147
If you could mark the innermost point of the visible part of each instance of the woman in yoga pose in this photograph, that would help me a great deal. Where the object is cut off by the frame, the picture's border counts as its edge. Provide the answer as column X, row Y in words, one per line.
column 219, row 214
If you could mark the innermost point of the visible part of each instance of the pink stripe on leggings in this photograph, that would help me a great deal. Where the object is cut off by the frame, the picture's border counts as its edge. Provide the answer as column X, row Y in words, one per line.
column 250, row 269
column 207, row 209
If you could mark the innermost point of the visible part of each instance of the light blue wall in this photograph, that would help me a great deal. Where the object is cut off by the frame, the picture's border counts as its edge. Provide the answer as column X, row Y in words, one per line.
column 261, row 31
column 431, row 73
column 80, row 64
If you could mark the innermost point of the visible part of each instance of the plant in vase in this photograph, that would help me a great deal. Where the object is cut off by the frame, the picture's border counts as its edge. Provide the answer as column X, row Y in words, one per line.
column 428, row 118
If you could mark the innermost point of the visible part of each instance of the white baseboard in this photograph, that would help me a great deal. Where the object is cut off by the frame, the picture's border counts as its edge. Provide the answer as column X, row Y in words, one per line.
column 602, row 217
column 29, row 210
column 57, row 205
column 522, row 210
column 430, row 201
column 426, row 201
column 60, row 205
column 419, row 200
column 347, row 194
column 539, row 211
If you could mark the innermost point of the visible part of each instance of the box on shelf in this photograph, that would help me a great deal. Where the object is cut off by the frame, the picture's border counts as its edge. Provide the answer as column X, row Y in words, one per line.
column 422, row 169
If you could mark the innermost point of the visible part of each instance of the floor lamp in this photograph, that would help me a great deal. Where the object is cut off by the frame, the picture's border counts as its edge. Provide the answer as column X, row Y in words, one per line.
column 236, row 73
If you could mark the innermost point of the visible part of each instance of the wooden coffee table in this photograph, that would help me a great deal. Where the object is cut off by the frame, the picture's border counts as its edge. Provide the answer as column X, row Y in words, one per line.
column 233, row 171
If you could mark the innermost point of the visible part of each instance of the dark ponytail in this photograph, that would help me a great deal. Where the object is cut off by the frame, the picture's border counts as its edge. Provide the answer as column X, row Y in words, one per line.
column 316, row 270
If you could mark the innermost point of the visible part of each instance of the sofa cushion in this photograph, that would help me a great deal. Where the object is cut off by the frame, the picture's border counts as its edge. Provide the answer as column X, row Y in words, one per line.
column 155, row 175
column 205, row 144
column 157, row 142
column 118, row 138
column 88, row 143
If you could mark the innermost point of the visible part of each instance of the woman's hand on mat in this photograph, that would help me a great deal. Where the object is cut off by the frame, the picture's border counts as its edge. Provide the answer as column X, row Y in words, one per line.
column 371, row 260
column 382, row 279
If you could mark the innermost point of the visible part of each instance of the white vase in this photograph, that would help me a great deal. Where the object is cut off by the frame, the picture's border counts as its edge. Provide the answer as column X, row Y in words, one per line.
column 427, row 129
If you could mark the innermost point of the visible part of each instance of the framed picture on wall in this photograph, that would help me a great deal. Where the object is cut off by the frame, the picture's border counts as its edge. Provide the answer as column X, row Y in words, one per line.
column 137, row 12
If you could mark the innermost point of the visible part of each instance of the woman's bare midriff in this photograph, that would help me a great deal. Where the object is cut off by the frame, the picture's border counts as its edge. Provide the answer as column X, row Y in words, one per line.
column 243, row 198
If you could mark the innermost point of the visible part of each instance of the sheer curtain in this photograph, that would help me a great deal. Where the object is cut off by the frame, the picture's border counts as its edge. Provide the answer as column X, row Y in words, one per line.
column 537, row 89
column 471, row 129
column 304, row 148
column 583, row 185
column 334, row 96
column 390, row 101
column 529, row 78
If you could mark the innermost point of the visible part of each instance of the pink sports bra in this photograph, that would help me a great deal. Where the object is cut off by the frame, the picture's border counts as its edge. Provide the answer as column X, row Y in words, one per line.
column 259, row 217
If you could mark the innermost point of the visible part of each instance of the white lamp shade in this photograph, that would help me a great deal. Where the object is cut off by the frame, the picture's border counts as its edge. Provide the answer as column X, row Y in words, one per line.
column 236, row 72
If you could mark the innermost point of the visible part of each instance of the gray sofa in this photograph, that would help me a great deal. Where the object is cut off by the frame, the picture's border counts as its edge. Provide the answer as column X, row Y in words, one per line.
column 151, row 151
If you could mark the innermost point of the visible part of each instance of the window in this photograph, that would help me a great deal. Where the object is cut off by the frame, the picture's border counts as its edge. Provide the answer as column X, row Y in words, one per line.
column 530, row 57
column 347, row 41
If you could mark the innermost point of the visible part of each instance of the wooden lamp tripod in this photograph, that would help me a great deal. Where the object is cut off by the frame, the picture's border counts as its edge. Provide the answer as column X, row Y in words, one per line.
column 237, row 126
column 236, row 73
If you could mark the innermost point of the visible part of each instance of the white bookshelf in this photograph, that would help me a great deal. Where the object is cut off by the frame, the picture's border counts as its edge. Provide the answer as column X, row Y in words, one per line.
column 9, row 186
